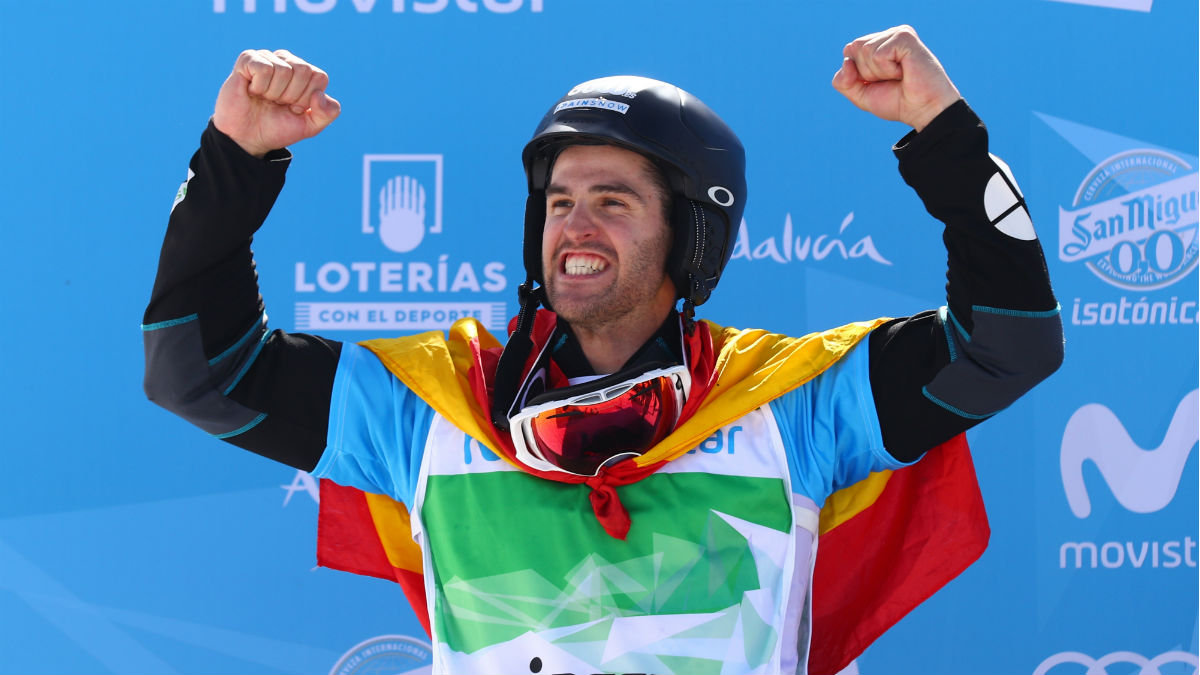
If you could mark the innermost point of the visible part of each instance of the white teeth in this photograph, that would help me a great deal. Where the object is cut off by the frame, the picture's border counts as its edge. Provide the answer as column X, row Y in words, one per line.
column 583, row 264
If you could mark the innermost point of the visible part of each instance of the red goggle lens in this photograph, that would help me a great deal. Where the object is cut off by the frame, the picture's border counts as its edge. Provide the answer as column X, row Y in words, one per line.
column 581, row 438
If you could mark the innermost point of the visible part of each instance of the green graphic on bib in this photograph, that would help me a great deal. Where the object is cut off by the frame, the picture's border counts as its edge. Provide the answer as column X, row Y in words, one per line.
column 704, row 561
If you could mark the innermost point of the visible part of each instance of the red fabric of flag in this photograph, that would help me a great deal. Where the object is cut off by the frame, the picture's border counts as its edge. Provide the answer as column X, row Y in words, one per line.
column 924, row 529
column 348, row 540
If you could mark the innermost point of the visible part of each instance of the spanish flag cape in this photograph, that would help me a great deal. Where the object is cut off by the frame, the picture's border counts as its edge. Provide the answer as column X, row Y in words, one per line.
column 886, row 543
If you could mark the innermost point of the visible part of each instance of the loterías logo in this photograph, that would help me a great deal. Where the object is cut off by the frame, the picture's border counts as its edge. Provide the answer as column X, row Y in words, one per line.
column 1123, row 661
column 1143, row 481
column 398, row 212
column 402, row 210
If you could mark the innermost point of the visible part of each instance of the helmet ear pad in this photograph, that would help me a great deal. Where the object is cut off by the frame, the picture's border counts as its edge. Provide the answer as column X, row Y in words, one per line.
column 700, row 248
column 535, row 225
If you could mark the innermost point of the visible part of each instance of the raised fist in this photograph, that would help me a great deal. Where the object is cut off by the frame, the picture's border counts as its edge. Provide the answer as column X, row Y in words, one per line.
column 272, row 100
column 893, row 75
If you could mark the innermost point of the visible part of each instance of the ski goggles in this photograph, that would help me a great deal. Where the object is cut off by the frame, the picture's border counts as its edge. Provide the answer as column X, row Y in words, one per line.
column 582, row 428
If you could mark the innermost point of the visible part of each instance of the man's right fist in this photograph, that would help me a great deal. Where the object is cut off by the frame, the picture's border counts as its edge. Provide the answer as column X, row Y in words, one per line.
column 272, row 100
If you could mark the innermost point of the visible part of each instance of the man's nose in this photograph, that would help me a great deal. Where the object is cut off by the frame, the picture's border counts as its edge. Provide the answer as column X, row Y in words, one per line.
column 580, row 223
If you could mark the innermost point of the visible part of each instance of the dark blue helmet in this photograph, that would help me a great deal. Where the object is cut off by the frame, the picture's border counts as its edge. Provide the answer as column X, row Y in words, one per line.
column 700, row 156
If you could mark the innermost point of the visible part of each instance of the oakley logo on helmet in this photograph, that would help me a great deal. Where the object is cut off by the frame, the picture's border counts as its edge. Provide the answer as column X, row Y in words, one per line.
column 720, row 195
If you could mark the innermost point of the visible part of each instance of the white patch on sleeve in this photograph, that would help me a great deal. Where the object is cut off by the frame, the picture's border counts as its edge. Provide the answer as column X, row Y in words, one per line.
column 182, row 192
column 998, row 197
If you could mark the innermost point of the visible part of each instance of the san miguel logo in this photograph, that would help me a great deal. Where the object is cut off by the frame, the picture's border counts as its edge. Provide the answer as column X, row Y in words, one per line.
column 1133, row 220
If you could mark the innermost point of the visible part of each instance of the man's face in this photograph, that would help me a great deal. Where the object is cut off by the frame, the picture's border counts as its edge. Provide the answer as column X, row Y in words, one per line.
column 606, row 239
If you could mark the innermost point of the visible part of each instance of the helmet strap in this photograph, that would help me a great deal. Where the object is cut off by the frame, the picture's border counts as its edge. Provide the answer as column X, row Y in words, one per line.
column 516, row 353
column 689, row 317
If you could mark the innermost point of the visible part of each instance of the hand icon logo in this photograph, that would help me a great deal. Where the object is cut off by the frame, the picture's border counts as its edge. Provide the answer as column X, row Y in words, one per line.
column 402, row 214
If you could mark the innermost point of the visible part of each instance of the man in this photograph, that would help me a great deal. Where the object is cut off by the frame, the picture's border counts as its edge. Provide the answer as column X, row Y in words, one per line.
column 611, row 539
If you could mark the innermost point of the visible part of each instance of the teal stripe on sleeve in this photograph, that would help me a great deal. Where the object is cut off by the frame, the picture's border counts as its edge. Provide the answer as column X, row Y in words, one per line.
column 249, row 425
column 246, row 366
column 943, row 314
column 147, row 327
column 262, row 320
column 961, row 413
column 958, row 326
column 1016, row 312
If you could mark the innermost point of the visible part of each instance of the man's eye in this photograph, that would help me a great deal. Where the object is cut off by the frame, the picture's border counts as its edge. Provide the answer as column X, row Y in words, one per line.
column 610, row 201
column 560, row 204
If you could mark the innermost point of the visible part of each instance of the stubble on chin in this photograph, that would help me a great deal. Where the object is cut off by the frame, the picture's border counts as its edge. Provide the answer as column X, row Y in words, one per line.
column 590, row 312
column 613, row 306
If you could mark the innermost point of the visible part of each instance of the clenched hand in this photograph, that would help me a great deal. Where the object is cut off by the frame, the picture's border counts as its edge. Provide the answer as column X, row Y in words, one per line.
column 272, row 100
column 893, row 75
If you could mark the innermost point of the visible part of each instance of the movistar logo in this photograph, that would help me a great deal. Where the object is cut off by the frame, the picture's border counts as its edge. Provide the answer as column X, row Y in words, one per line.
column 1143, row 481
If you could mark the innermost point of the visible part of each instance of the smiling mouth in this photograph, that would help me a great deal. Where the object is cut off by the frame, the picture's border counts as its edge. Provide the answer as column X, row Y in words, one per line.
column 583, row 265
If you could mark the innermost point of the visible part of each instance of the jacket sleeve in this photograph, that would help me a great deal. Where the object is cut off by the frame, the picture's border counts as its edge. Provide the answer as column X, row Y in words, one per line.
column 210, row 357
column 938, row 373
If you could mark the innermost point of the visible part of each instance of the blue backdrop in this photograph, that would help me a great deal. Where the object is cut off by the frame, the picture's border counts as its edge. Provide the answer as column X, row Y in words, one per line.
column 133, row 543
